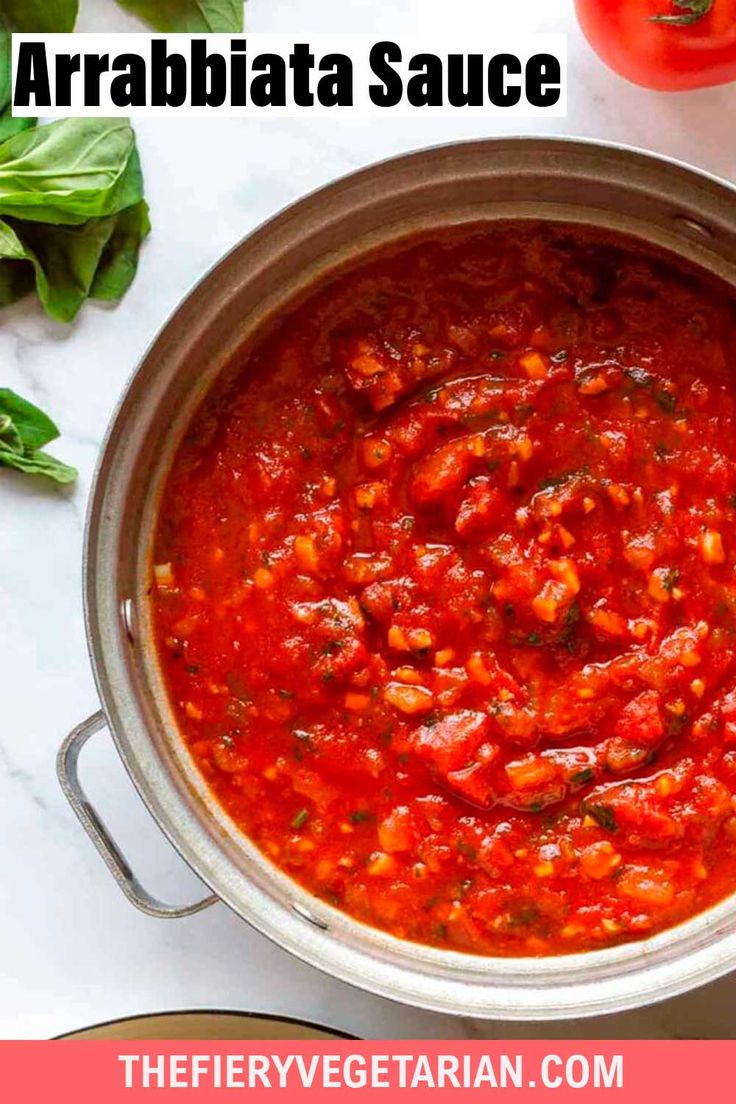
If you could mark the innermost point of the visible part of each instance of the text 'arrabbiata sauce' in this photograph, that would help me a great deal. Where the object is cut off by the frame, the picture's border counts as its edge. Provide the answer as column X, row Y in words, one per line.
column 444, row 591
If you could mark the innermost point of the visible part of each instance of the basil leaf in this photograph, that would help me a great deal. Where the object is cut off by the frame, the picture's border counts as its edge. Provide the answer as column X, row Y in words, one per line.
column 16, row 281
column 10, row 126
column 34, row 428
column 189, row 15
column 65, row 260
column 38, row 463
column 10, row 438
column 127, row 192
column 72, row 194
column 129, row 187
column 77, row 167
column 11, row 246
column 119, row 262
column 97, row 259
column 6, row 75
column 24, row 430
column 39, row 16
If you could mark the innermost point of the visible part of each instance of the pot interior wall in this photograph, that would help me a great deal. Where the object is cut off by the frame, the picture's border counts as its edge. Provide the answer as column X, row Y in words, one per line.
column 657, row 202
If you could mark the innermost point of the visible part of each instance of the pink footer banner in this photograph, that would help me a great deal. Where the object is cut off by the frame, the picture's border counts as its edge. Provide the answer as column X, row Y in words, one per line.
column 112, row 1072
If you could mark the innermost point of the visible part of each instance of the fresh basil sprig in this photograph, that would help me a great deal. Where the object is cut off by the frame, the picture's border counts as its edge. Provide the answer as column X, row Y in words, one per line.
column 24, row 431
column 71, row 209
column 72, row 213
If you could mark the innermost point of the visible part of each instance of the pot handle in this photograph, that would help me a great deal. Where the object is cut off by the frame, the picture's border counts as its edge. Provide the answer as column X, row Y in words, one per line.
column 66, row 766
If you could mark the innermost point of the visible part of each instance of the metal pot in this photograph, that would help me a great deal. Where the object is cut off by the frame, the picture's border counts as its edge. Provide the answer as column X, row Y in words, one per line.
column 243, row 1026
column 657, row 201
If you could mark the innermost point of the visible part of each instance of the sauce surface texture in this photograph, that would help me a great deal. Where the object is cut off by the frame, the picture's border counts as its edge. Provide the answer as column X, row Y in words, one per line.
column 444, row 592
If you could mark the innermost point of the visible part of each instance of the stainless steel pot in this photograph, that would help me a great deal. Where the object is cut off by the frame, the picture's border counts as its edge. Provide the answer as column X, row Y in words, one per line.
column 660, row 202
column 206, row 1025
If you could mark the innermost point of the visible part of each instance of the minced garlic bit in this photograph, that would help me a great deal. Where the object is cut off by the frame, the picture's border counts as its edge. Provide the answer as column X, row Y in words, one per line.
column 661, row 582
column 381, row 865
column 593, row 385
column 164, row 575
column 305, row 552
column 618, row 494
column 408, row 699
column 711, row 547
column 566, row 572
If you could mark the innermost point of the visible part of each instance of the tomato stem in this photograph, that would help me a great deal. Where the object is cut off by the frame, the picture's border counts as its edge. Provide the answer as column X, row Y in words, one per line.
column 692, row 12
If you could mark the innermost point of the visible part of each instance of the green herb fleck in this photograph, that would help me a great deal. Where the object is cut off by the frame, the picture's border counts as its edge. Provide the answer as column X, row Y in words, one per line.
column 670, row 578
column 572, row 616
column 523, row 917
column 603, row 814
column 552, row 481
column 300, row 819
column 237, row 687
column 666, row 400
column 466, row 849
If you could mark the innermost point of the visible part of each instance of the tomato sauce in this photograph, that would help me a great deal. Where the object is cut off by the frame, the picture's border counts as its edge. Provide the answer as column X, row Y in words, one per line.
column 444, row 591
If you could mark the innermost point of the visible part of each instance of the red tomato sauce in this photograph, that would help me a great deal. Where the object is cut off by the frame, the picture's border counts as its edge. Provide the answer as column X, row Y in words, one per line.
column 444, row 591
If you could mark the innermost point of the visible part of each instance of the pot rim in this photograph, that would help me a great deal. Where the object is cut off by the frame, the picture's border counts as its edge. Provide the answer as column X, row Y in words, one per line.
column 556, row 987
column 259, row 1021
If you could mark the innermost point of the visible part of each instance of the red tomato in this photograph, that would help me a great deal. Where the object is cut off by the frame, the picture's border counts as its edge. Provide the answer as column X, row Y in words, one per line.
column 668, row 45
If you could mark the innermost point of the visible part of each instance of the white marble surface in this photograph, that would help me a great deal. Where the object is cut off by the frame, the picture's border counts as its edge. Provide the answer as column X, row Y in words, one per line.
column 73, row 951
